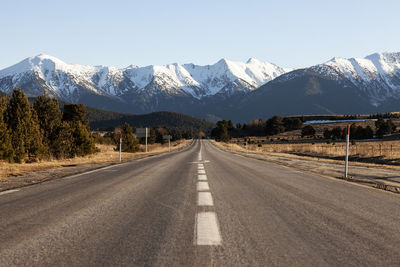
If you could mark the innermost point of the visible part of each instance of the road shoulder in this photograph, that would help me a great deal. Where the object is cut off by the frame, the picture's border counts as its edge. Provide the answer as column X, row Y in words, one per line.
column 379, row 177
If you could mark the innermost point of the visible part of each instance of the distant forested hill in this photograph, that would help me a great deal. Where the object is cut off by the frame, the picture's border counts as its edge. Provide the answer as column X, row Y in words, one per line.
column 106, row 120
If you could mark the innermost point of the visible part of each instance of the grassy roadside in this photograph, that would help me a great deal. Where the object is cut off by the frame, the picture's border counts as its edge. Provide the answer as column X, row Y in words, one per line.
column 9, row 171
column 311, row 152
column 379, row 176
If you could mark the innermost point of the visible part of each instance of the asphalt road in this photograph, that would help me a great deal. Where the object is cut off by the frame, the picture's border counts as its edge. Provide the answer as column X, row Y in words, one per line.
column 199, row 207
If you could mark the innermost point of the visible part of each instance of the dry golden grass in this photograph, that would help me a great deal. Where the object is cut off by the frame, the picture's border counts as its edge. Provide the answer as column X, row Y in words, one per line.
column 389, row 150
column 106, row 154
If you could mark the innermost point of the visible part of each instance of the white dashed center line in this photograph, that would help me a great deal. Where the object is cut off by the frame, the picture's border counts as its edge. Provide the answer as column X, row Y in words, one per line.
column 207, row 231
column 202, row 177
column 205, row 199
column 206, row 227
column 203, row 186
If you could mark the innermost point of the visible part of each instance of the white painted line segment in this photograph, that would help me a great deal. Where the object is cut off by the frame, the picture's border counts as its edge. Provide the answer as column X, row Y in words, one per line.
column 200, row 168
column 205, row 199
column 201, row 171
column 203, row 186
column 200, row 165
column 9, row 191
column 207, row 230
column 202, row 177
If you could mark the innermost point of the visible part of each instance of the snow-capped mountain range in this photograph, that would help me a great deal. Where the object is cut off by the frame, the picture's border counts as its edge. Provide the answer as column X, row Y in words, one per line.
column 378, row 75
column 65, row 80
column 226, row 89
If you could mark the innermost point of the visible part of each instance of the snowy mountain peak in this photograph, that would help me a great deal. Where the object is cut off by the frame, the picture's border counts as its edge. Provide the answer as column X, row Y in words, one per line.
column 378, row 74
column 253, row 61
column 65, row 80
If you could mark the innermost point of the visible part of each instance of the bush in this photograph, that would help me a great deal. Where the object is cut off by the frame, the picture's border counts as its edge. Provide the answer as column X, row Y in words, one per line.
column 308, row 131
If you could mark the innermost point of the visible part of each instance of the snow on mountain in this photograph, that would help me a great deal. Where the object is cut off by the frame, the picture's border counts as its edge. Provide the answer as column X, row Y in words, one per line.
column 215, row 77
column 378, row 75
column 67, row 80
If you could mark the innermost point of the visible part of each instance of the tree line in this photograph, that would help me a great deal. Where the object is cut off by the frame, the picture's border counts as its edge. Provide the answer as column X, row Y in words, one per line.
column 130, row 143
column 42, row 131
column 225, row 130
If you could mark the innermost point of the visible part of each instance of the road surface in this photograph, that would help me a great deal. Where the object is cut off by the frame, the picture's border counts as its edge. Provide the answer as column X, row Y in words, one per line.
column 199, row 207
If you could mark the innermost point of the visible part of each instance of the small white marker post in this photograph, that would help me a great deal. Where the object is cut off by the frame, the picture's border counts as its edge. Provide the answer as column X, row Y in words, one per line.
column 146, row 138
column 120, row 145
column 346, row 165
column 169, row 141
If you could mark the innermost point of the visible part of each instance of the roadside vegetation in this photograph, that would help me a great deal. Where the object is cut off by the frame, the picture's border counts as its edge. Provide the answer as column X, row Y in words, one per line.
column 374, row 140
column 277, row 125
column 43, row 130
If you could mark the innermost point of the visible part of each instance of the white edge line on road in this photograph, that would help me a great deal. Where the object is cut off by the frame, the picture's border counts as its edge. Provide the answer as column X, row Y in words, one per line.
column 9, row 191
column 204, row 199
column 207, row 230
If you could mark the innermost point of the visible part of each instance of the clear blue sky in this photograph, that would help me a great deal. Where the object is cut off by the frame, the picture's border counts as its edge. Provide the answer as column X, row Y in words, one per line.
column 119, row 33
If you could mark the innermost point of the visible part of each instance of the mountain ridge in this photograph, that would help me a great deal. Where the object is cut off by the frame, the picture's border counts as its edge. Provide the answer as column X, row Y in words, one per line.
column 225, row 90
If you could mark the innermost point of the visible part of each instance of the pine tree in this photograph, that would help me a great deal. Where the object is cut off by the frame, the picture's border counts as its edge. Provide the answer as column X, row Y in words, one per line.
column 274, row 125
column 153, row 137
column 25, row 138
column 308, row 130
column 221, row 131
column 129, row 141
column 35, row 147
column 74, row 112
column 63, row 145
column 6, row 151
column 49, row 117
column 83, row 142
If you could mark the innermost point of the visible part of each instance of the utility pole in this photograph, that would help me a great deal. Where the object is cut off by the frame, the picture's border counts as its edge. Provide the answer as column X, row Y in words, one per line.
column 247, row 148
column 120, row 145
column 346, row 164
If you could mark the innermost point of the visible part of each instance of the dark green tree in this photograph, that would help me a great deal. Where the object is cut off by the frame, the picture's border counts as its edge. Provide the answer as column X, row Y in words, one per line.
column 291, row 124
column 274, row 125
column 63, row 145
column 6, row 151
column 49, row 117
column 26, row 139
column 335, row 133
column 308, row 130
column 83, row 142
column 74, row 112
column 220, row 133
column 153, row 137
column 384, row 127
column 129, row 141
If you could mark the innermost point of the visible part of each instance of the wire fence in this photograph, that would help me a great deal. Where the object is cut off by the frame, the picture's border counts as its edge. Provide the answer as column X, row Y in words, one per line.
column 383, row 150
